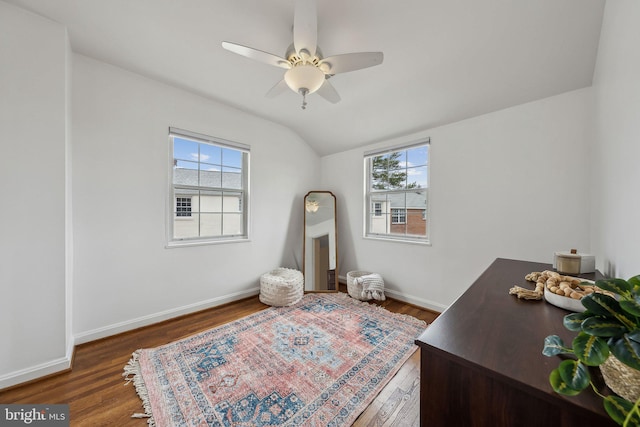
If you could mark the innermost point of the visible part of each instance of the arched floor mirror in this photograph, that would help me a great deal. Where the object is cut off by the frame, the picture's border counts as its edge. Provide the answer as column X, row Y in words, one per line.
column 320, row 244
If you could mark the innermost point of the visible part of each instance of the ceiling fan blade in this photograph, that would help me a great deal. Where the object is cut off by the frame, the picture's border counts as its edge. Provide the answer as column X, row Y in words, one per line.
column 350, row 62
column 257, row 55
column 277, row 89
column 305, row 27
column 328, row 92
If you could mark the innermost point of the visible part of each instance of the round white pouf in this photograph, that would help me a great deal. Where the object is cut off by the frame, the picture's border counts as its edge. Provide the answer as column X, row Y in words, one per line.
column 282, row 286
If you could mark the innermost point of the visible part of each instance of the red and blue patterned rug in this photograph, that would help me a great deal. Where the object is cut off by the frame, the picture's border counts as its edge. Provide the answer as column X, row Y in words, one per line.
column 319, row 362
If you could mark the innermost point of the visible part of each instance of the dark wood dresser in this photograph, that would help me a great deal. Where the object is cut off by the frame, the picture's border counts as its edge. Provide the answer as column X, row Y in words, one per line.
column 482, row 362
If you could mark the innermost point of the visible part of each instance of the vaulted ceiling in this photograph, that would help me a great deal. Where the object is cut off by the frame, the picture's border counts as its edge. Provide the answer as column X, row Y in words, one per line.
column 444, row 60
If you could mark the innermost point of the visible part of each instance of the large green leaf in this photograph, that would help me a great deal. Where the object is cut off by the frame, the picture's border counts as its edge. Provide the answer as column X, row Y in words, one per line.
column 553, row 345
column 590, row 350
column 617, row 286
column 604, row 305
column 631, row 306
column 603, row 327
column 619, row 408
column 634, row 282
column 559, row 386
column 601, row 304
column 573, row 321
column 574, row 374
column 627, row 351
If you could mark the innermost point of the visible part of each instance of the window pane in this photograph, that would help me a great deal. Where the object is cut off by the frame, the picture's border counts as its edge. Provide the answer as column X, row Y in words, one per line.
column 186, row 227
column 185, row 173
column 416, row 213
column 417, row 156
column 210, row 154
column 210, row 178
column 232, row 224
column 397, row 202
column 379, row 174
column 231, row 158
column 397, row 177
column 397, row 160
column 379, row 224
column 417, row 177
column 210, row 201
column 210, row 225
column 231, row 177
column 184, row 149
column 378, row 220
column 232, row 202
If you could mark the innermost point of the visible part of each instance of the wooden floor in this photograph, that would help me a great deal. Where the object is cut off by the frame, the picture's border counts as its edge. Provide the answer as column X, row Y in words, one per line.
column 97, row 396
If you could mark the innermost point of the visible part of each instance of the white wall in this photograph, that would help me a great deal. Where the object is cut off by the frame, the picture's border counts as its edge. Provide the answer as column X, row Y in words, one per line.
column 509, row 184
column 33, row 168
column 124, row 275
column 615, row 165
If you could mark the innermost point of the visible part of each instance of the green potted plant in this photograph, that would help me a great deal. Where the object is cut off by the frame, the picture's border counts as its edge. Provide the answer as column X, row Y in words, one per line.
column 610, row 327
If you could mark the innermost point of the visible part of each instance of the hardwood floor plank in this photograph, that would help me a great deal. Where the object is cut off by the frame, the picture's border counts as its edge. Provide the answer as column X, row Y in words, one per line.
column 398, row 396
column 97, row 395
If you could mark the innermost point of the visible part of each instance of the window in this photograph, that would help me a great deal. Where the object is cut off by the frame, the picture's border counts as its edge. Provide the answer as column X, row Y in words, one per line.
column 398, row 216
column 377, row 208
column 209, row 184
column 396, row 193
column 183, row 206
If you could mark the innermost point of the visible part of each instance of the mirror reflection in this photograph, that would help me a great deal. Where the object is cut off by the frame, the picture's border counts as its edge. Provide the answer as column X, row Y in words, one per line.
column 320, row 248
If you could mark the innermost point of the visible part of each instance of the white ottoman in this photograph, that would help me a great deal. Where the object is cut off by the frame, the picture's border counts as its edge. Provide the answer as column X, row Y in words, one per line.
column 282, row 286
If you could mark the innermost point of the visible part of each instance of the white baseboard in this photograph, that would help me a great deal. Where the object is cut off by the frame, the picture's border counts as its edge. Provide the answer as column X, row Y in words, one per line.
column 150, row 319
column 64, row 363
column 40, row 370
column 34, row 372
column 420, row 302
column 411, row 299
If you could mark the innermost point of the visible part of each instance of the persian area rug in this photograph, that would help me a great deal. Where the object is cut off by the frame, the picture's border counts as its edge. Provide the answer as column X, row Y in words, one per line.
column 319, row 362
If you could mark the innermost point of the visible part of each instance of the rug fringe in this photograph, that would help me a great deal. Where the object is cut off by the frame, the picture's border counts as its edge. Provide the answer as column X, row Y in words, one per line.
column 132, row 373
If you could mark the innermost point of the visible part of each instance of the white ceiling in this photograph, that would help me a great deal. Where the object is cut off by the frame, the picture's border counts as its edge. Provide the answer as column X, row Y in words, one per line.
column 444, row 60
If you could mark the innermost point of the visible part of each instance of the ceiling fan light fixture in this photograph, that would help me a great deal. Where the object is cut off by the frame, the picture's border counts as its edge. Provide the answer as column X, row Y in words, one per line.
column 312, row 206
column 304, row 78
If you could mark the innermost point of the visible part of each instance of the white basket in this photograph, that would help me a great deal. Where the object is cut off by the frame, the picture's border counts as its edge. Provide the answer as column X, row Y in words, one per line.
column 282, row 286
column 353, row 287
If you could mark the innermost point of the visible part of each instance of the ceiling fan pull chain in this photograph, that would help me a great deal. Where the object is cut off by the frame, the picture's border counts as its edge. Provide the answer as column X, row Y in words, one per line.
column 304, row 98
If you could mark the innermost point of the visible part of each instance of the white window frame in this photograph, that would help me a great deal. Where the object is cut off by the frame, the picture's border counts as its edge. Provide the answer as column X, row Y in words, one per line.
column 175, row 191
column 368, row 205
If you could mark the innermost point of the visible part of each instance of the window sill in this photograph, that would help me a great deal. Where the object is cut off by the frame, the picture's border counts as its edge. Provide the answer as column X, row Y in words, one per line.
column 421, row 242
column 204, row 242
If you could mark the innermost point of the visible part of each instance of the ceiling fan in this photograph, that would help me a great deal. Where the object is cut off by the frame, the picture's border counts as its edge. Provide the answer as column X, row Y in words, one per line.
column 307, row 70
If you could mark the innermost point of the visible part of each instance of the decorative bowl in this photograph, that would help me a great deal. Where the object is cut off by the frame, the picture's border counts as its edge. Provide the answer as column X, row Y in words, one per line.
column 567, row 303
